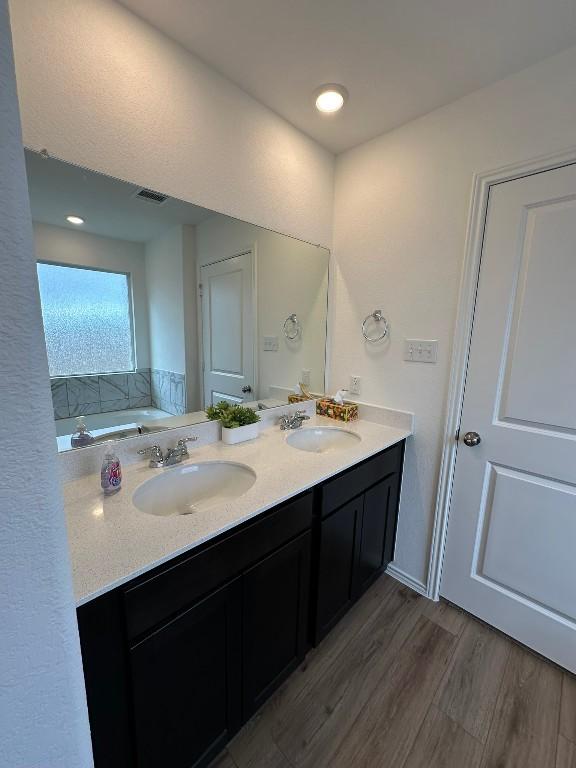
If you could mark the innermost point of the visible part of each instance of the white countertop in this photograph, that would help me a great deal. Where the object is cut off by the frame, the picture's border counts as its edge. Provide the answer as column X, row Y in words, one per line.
column 111, row 541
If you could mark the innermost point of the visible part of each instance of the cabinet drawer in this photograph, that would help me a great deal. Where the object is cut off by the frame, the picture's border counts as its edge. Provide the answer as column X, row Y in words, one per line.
column 355, row 481
column 157, row 597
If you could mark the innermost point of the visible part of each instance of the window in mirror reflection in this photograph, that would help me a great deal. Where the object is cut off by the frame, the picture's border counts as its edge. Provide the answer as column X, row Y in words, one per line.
column 87, row 320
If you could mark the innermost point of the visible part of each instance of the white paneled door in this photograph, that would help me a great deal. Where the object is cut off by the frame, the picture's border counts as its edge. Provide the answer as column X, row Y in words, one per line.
column 228, row 330
column 511, row 550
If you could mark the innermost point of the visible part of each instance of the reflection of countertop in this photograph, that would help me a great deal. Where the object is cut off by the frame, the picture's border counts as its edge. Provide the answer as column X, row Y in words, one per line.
column 111, row 541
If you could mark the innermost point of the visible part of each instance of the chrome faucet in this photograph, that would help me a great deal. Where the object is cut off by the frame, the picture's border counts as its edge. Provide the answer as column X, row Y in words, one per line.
column 293, row 420
column 173, row 455
column 155, row 453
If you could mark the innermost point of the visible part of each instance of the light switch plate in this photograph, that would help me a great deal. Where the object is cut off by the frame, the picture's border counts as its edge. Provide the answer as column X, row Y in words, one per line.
column 306, row 377
column 421, row 350
column 270, row 344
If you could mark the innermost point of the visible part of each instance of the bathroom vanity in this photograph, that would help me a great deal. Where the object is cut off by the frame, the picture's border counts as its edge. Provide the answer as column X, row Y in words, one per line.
column 178, row 658
column 199, row 587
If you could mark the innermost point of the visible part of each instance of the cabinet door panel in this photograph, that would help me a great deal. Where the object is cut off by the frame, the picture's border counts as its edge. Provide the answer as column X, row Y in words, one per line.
column 377, row 502
column 275, row 616
column 392, row 519
column 186, row 683
column 337, row 555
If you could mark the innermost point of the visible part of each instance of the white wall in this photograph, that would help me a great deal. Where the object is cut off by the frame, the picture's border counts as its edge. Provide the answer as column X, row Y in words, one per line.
column 190, row 300
column 164, row 276
column 401, row 210
column 66, row 246
column 42, row 707
column 292, row 277
column 101, row 88
column 172, row 306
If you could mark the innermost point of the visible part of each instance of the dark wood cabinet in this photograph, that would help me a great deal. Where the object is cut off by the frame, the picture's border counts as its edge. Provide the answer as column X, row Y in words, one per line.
column 336, row 559
column 275, row 620
column 355, row 541
column 186, row 684
column 178, row 659
column 377, row 533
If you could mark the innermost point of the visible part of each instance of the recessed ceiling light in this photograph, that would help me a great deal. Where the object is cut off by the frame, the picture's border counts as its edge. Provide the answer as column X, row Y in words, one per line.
column 75, row 220
column 330, row 98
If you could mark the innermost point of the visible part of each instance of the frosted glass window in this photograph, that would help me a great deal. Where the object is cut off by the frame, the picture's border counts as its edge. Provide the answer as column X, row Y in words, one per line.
column 87, row 320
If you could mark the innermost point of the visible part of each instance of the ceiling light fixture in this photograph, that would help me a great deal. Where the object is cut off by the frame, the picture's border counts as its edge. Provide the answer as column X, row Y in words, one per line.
column 75, row 220
column 330, row 98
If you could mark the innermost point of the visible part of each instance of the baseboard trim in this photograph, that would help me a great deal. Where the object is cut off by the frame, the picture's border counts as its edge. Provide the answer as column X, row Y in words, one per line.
column 405, row 578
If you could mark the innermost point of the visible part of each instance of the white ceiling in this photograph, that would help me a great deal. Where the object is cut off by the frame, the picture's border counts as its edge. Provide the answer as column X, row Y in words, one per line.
column 398, row 58
column 107, row 205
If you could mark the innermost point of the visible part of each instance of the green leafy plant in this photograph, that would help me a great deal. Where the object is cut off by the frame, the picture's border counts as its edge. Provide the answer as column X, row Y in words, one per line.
column 232, row 416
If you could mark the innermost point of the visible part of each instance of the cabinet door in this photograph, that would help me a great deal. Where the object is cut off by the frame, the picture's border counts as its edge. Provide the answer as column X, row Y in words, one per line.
column 186, row 683
column 336, row 560
column 377, row 532
column 275, row 618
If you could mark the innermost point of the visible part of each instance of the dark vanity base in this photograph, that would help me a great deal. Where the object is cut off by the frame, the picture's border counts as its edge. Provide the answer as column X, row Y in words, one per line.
column 176, row 661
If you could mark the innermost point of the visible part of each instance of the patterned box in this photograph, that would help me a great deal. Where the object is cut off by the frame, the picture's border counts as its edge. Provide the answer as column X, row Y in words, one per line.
column 298, row 399
column 345, row 412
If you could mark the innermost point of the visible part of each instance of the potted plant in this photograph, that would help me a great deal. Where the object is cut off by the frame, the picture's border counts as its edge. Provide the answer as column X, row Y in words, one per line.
column 239, row 423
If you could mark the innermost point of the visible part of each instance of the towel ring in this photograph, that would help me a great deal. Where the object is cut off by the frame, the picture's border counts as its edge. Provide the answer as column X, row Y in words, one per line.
column 291, row 327
column 378, row 317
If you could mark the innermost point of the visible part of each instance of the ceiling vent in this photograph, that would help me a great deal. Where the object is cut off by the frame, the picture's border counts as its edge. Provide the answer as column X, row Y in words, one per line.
column 151, row 197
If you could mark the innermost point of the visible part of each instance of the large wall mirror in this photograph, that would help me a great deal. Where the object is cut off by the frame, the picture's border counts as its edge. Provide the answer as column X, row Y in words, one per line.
column 154, row 308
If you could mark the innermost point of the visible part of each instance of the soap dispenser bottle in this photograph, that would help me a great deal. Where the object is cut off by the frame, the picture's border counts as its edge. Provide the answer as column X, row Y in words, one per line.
column 111, row 472
column 81, row 436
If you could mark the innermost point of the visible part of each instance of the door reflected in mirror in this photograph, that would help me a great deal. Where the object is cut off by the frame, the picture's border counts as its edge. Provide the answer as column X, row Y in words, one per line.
column 155, row 308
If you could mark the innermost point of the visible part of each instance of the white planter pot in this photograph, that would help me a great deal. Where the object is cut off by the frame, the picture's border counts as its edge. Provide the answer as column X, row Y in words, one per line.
column 240, row 434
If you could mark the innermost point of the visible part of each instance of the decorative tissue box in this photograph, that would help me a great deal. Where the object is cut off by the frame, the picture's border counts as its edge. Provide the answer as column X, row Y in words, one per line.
column 344, row 412
column 298, row 399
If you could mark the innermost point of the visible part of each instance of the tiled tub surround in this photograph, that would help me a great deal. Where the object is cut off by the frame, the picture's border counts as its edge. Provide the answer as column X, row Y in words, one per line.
column 85, row 395
column 111, row 541
column 102, row 393
column 168, row 390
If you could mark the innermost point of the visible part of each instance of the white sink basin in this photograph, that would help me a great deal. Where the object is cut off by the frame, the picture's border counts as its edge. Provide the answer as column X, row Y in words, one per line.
column 189, row 488
column 322, row 439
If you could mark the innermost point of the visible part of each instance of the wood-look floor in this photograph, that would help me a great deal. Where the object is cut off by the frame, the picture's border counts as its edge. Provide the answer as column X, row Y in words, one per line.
column 403, row 682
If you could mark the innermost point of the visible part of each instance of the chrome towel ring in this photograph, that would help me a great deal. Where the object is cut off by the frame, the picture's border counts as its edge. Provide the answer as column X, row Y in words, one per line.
column 378, row 317
column 292, row 327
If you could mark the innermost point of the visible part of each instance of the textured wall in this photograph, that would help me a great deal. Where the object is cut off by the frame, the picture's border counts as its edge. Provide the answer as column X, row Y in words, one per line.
column 121, row 98
column 401, row 210
column 42, row 708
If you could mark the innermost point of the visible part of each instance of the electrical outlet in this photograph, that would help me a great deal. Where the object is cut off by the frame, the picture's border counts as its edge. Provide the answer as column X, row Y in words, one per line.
column 270, row 344
column 306, row 377
column 421, row 350
column 354, row 387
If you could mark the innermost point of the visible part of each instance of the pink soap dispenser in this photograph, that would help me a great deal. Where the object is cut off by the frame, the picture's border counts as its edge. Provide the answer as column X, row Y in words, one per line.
column 111, row 472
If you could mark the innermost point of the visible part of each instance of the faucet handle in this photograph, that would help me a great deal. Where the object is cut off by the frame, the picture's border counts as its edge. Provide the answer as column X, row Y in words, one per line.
column 155, row 453
column 183, row 440
column 182, row 444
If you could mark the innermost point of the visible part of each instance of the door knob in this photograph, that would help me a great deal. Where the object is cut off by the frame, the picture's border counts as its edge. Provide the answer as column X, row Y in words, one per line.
column 472, row 439
column 247, row 388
